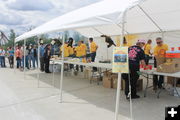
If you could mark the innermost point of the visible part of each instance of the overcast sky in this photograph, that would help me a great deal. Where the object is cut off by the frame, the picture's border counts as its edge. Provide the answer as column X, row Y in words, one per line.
column 21, row 15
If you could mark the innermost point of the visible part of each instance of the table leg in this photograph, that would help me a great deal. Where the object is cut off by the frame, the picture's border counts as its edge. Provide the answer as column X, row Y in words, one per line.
column 175, row 82
column 145, row 93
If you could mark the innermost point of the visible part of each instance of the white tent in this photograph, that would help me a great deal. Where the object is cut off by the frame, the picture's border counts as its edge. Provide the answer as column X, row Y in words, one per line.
column 107, row 17
column 143, row 16
column 92, row 20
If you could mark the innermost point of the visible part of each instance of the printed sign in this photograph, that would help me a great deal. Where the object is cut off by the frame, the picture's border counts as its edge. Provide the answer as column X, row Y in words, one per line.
column 120, row 60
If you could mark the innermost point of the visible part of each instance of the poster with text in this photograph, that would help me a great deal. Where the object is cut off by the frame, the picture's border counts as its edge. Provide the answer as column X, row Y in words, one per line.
column 120, row 60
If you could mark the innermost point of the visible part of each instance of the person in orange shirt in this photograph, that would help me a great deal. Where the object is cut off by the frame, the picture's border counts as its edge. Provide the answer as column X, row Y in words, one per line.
column 159, row 52
column 93, row 49
column 147, row 51
column 18, row 56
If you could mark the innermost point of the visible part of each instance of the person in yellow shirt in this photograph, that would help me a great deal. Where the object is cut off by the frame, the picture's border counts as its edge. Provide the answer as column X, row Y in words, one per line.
column 79, row 54
column 125, row 43
column 159, row 52
column 78, row 50
column 83, row 48
column 66, row 50
column 70, row 47
column 93, row 49
column 71, row 51
column 147, row 51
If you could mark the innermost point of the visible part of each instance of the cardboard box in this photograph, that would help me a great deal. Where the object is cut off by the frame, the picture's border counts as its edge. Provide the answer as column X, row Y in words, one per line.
column 110, row 80
column 171, row 66
column 107, row 83
column 160, row 60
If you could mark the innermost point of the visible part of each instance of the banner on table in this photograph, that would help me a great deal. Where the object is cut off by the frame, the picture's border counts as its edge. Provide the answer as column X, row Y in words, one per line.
column 120, row 60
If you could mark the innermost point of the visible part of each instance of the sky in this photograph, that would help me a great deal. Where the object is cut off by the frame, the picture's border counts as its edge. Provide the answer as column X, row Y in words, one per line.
column 21, row 15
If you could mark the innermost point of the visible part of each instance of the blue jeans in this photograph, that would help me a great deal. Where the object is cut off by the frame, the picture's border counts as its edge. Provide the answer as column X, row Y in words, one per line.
column 2, row 61
column 34, row 60
column 93, row 57
column 26, row 61
column 18, row 62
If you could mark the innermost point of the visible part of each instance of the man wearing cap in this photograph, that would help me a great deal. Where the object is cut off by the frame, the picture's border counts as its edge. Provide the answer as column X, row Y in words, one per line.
column 159, row 52
column 136, row 56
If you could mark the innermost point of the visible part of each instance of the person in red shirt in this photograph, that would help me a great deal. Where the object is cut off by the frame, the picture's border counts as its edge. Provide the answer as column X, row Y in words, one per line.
column 18, row 57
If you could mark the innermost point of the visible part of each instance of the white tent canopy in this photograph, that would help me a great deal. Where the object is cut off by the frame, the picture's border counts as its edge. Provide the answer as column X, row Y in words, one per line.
column 105, row 17
column 92, row 20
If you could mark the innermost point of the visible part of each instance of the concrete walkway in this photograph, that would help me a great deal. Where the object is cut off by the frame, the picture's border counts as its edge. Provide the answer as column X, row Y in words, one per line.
column 22, row 99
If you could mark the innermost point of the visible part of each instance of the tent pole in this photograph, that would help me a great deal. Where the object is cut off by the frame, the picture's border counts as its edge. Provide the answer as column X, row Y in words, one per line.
column 53, row 82
column 118, row 93
column 62, row 70
column 24, row 59
column 38, row 40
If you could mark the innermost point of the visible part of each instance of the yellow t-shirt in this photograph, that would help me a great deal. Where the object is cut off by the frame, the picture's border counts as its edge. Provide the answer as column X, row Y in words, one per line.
column 71, row 50
column 83, row 48
column 93, row 47
column 147, row 49
column 66, row 50
column 160, row 51
column 78, row 51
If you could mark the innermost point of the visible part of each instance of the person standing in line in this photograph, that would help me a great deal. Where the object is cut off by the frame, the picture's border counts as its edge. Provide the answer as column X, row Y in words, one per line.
column 47, row 56
column 3, row 55
column 30, row 56
column 22, row 56
column 159, row 52
column 27, row 57
column 11, row 57
column 93, row 49
column 18, row 59
column 147, row 51
column 136, row 56
column 42, row 57
column 35, row 56
column 1, row 62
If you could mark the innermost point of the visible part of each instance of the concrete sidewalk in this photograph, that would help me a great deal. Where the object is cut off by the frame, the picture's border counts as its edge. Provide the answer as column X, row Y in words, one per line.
column 23, row 100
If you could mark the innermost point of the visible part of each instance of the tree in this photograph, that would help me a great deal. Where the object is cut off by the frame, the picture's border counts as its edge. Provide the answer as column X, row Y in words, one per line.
column 11, row 37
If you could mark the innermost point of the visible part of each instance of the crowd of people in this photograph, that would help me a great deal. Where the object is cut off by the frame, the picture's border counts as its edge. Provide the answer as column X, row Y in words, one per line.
column 80, row 51
column 28, row 55
column 140, row 53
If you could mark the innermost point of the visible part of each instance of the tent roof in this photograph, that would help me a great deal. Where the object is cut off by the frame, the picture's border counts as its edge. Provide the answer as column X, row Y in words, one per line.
column 105, row 18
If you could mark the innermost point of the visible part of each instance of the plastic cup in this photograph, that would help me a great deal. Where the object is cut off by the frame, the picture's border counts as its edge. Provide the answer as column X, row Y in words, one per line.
column 150, row 67
column 172, row 49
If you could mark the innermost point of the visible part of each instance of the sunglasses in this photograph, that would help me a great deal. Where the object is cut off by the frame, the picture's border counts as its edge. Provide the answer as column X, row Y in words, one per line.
column 159, row 42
